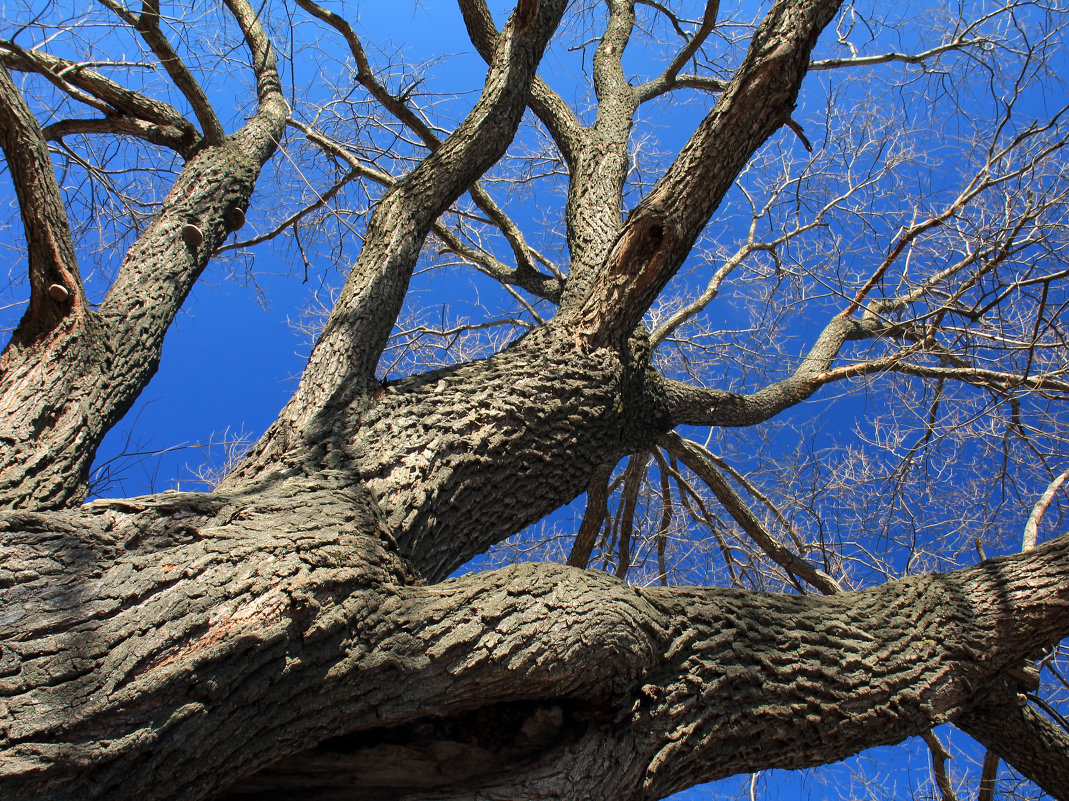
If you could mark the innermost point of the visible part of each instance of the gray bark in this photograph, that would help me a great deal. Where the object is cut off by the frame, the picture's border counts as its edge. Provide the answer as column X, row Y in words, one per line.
column 163, row 647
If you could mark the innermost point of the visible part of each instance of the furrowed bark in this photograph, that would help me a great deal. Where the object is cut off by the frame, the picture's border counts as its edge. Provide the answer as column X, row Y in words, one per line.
column 148, row 644
column 294, row 635
column 598, row 173
column 461, row 458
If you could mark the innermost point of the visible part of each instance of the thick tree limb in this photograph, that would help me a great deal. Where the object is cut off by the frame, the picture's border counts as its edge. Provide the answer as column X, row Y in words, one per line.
column 161, row 267
column 597, row 156
column 151, row 631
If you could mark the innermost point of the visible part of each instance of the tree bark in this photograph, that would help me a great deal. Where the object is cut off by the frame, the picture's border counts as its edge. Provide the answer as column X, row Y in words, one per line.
column 162, row 647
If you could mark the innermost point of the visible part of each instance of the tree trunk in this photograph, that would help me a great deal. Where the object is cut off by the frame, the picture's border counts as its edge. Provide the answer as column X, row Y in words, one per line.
column 183, row 645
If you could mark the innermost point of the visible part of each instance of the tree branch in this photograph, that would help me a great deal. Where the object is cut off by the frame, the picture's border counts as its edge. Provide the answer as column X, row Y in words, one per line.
column 80, row 393
column 1022, row 737
column 660, row 231
column 685, row 684
column 960, row 43
column 528, row 278
column 555, row 114
column 358, row 328
column 171, row 138
column 1031, row 528
column 55, row 282
column 88, row 86
column 147, row 23
column 689, row 405
column 597, row 496
column 399, row 108
column 667, row 79
column 700, row 461
column 162, row 266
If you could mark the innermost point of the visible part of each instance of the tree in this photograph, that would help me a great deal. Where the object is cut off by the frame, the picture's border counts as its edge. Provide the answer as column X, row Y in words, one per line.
column 294, row 631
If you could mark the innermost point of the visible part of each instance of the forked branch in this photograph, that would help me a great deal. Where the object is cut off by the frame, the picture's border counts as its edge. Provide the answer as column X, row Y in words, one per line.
column 147, row 23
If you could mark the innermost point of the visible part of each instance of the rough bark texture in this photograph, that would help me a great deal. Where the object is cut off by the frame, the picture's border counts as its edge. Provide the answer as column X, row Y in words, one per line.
column 162, row 647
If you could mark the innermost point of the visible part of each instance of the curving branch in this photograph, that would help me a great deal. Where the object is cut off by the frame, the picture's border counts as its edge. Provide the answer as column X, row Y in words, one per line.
column 689, row 405
column 161, row 267
column 147, row 23
column 55, row 282
column 1047, row 384
column 1031, row 528
column 563, row 126
column 337, row 618
column 668, row 79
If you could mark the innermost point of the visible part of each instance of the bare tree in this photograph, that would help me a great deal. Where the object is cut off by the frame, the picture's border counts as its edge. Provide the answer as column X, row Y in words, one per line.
column 744, row 590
